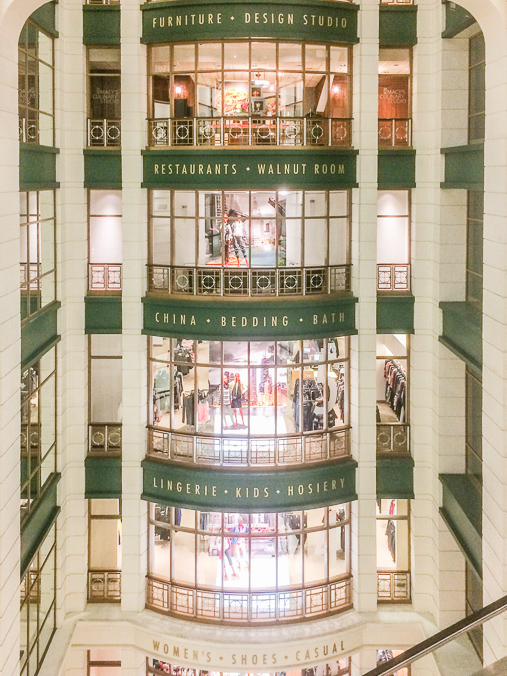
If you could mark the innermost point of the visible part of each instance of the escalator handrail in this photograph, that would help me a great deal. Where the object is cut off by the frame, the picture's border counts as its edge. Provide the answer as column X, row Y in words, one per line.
column 439, row 639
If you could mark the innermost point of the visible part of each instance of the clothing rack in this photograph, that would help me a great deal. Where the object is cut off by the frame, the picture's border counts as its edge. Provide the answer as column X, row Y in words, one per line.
column 395, row 375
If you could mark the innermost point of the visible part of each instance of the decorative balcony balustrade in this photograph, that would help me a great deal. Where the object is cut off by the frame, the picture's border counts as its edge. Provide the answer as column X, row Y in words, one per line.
column 28, row 130
column 250, row 131
column 104, row 133
column 395, row 133
column 392, row 438
column 393, row 586
column 105, row 438
column 393, row 277
column 104, row 277
column 104, row 586
column 396, row 2
column 205, row 281
column 242, row 607
column 236, row 452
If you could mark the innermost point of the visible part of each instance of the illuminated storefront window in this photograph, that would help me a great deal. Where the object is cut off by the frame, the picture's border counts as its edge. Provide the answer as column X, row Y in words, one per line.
column 260, row 397
column 395, row 97
column 392, row 393
column 393, row 550
column 249, row 567
column 211, row 84
column 339, row 667
column 277, row 242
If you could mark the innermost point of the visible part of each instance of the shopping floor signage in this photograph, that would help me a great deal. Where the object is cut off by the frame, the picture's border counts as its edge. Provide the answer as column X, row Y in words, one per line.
column 220, row 319
column 181, row 21
column 244, row 168
column 268, row 491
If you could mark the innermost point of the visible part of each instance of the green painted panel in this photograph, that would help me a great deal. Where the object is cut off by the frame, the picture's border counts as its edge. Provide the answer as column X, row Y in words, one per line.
column 395, row 477
column 103, row 314
column 37, row 167
column 249, row 168
column 38, row 523
column 456, row 19
column 398, row 25
column 464, row 167
column 249, row 320
column 45, row 17
column 462, row 511
column 101, row 24
column 462, row 331
column 209, row 20
column 395, row 314
column 102, row 477
column 39, row 334
column 102, row 168
column 396, row 169
column 266, row 491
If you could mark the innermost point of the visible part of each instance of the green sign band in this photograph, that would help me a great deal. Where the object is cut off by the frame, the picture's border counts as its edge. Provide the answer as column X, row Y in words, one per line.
column 290, row 20
column 219, row 491
column 230, row 320
column 251, row 168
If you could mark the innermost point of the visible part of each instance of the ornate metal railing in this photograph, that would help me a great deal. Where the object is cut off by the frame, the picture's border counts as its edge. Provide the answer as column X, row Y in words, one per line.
column 240, row 607
column 250, row 131
column 205, row 281
column 102, row 2
column 392, row 438
column 104, row 586
column 393, row 277
column 234, row 451
column 28, row 131
column 30, row 441
column 105, row 438
column 396, row 2
column 29, row 276
column 104, row 133
column 104, row 277
column 393, row 586
column 395, row 133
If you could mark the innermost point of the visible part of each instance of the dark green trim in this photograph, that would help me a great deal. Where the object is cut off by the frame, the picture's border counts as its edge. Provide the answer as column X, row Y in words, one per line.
column 103, row 314
column 395, row 477
column 396, row 169
column 250, row 491
column 462, row 331
column 102, row 167
column 38, row 523
column 45, row 17
column 397, row 25
column 39, row 334
column 395, row 314
column 280, row 19
column 456, row 19
column 101, row 24
column 103, row 477
column 464, row 167
column 247, row 168
column 37, row 167
column 462, row 511
column 250, row 319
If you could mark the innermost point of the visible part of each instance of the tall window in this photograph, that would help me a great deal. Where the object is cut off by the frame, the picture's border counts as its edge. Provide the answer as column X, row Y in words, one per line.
column 104, row 96
column 38, row 429
column 477, row 88
column 395, row 97
column 393, row 240
column 105, row 241
column 104, row 550
column 237, row 559
column 393, row 550
column 475, row 222
column 38, row 606
column 474, row 603
column 392, row 393
column 474, row 429
column 105, row 394
column 38, row 250
column 36, row 85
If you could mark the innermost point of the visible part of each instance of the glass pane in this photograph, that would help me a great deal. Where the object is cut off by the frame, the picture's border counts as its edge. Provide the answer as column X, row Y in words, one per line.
column 183, row 545
column 184, row 241
column 183, row 58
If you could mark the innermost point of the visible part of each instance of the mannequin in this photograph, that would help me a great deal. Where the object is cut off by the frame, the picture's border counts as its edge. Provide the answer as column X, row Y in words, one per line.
column 238, row 238
column 236, row 396
column 226, row 400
